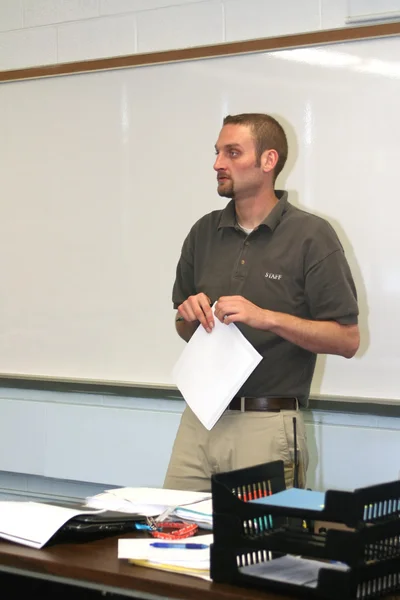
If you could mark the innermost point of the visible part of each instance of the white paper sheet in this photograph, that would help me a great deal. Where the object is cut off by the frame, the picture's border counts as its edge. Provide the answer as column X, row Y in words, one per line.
column 292, row 569
column 33, row 523
column 200, row 513
column 142, row 548
column 144, row 501
column 212, row 368
column 193, row 562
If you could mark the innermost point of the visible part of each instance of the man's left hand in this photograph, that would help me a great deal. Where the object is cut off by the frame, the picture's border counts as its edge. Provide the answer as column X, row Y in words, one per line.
column 236, row 309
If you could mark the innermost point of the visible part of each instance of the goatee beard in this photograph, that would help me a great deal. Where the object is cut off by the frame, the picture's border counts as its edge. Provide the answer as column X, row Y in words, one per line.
column 228, row 193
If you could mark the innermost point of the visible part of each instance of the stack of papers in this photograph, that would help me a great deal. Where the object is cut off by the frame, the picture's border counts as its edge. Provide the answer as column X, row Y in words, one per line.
column 212, row 368
column 172, row 557
column 292, row 569
column 199, row 513
column 149, row 502
column 34, row 523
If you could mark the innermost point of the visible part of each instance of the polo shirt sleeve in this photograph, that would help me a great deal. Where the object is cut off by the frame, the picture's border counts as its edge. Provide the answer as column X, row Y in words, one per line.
column 184, row 281
column 329, row 286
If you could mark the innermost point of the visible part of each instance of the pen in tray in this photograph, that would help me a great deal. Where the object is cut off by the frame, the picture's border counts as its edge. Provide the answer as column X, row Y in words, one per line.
column 180, row 546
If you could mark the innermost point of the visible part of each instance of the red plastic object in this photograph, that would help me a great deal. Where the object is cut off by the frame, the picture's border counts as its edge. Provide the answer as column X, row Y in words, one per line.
column 169, row 530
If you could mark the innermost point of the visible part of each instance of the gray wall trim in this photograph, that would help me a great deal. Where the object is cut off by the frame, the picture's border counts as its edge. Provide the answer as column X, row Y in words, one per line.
column 369, row 406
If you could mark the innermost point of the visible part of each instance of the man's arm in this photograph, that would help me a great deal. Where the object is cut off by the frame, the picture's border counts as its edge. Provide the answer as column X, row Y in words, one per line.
column 184, row 328
column 320, row 337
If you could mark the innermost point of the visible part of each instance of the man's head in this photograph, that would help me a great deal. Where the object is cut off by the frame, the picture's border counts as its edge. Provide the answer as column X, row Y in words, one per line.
column 251, row 147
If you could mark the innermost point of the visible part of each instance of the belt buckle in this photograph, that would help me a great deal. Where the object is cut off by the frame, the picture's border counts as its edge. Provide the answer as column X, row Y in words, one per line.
column 242, row 403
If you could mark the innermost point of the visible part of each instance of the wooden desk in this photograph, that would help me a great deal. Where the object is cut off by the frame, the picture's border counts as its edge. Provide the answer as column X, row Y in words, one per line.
column 94, row 565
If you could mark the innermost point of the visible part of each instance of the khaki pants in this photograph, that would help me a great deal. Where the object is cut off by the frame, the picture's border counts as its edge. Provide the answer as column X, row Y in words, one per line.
column 237, row 440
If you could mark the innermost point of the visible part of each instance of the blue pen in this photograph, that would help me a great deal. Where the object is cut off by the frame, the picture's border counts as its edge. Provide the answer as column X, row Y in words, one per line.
column 188, row 546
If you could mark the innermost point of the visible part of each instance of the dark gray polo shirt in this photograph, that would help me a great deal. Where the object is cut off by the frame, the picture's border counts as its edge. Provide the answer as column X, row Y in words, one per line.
column 293, row 262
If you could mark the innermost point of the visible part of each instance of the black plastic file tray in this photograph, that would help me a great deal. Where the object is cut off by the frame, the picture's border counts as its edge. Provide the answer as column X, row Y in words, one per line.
column 353, row 547
column 233, row 512
column 249, row 536
column 321, row 580
column 234, row 488
column 368, row 505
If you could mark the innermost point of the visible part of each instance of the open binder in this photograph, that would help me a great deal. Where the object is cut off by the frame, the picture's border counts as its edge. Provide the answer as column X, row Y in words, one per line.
column 93, row 525
column 263, row 541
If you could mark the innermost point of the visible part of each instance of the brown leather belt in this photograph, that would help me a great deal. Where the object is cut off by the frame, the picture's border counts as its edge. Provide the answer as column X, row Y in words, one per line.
column 262, row 404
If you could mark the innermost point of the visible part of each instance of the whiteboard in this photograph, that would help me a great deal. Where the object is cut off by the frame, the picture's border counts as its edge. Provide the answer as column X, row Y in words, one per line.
column 103, row 174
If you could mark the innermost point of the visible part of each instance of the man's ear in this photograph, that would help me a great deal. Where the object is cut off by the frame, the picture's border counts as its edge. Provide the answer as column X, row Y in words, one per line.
column 269, row 159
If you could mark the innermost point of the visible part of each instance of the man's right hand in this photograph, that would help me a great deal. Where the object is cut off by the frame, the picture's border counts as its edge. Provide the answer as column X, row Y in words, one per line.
column 197, row 308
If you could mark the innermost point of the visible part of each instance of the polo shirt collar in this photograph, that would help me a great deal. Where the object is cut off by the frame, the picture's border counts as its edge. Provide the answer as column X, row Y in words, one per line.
column 228, row 215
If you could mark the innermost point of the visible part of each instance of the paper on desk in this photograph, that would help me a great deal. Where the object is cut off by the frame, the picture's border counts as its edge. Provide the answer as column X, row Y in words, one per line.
column 177, row 560
column 34, row 523
column 203, row 573
column 199, row 512
column 292, row 569
column 149, row 502
column 141, row 548
column 108, row 501
column 212, row 368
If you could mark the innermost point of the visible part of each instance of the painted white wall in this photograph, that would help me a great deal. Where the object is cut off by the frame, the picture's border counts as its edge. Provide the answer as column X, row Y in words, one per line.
column 69, row 445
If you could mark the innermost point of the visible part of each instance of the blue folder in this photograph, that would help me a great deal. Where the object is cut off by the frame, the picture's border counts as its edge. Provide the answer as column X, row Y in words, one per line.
column 295, row 498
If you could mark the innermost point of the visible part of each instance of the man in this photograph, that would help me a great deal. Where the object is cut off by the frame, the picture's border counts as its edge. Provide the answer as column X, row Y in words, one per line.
column 278, row 273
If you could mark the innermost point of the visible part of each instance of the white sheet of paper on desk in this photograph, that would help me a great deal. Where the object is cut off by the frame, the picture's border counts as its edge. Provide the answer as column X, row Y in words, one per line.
column 212, row 368
column 292, row 569
column 143, row 500
column 200, row 513
column 34, row 523
column 194, row 562
column 142, row 549
column 108, row 501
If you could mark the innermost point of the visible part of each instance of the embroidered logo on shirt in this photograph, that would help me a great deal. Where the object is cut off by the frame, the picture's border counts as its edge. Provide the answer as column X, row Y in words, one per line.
column 273, row 275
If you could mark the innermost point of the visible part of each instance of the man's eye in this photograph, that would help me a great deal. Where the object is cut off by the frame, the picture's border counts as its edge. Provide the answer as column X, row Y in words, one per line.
column 234, row 153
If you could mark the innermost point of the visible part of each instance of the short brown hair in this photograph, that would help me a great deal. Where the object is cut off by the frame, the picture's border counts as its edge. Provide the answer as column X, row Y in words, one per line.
column 268, row 134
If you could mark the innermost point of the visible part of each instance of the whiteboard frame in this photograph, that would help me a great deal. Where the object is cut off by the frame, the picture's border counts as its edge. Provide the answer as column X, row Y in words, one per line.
column 383, row 406
column 315, row 38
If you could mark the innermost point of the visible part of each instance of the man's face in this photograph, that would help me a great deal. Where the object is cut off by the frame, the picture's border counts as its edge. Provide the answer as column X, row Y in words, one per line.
column 238, row 175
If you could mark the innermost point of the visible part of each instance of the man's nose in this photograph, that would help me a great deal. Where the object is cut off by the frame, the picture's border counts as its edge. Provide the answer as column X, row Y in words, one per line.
column 218, row 163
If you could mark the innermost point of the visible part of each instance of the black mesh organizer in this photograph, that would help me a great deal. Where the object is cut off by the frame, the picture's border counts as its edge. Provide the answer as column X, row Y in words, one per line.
column 276, row 548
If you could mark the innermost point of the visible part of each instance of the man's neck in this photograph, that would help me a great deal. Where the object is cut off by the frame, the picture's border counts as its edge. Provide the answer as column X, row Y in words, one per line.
column 250, row 212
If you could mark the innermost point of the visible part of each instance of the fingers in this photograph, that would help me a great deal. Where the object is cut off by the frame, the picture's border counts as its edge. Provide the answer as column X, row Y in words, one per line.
column 229, row 309
column 225, row 315
column 226, row 307
column 197, row 308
